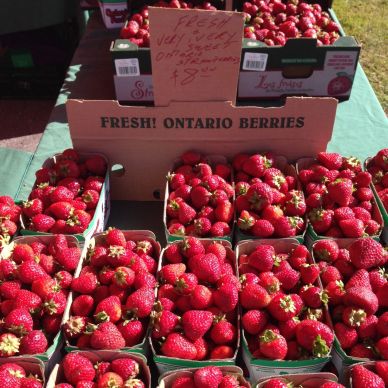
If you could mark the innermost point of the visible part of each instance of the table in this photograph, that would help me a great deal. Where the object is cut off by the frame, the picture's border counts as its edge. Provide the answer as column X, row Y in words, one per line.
column 361, row 126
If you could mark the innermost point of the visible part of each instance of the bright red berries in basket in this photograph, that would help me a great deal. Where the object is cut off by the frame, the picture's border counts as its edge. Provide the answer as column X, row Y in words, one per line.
column 200, row 197
column 268, row 201
column 196, row 313
column 9, row 219
column 339, row 198
column 66, row 193
column 114, row 293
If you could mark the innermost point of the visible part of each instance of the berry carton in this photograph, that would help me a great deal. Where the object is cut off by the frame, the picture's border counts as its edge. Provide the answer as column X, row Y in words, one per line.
column 167, row 379
column 50, row 356
column 312, row 379
column 102, row 209
column 113, row 12
column 260, row 368
column 368, row 373
column 34, row 371
column 312, row 235
column 165, row 363
column 57, row 374
column 130, row 235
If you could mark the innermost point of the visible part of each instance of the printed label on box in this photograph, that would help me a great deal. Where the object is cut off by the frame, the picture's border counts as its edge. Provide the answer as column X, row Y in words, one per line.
column 335, row 79
column 134, row 88
column 128, row 67
column 113, row 14
column 255, row 61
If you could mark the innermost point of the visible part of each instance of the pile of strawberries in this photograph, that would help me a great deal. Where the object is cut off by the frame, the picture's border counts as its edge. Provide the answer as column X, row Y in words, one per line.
column 35, row 281
column 283, row 305
column 66, row 194
column 78, row 370
column 268, row 202
column 274, row 22
column 208, row 377
column 339, row 199
column 378, row 168
column 136, row 29
column 309, row 382
column 370, row 375
column 14, row 375
column 200, row 198
column 196, row 315
column 114, row 293
column 9, row 219
column 355, row 281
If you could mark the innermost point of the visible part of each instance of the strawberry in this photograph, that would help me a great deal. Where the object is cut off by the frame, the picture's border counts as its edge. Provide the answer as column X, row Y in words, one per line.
column 196, row 323
column 186, row 213
column 140, row 302
column 107, row 336
column 202, row 298
column 382, row 324
column 273, row 345
column 170, row 273
column 22, row 252
column 254, row 296
column 223, row 332
column 284, row 307
column 382, row 370
column 288, row 278
column 42, row 223
column 365, row 253
column 254, row 321
column 361, row 351
column 260, row 195
column 276, row 383
column 109, row 309
column 220, row 229
column 82, row 305
column 183, row 382
column 346, row 335
column 326, row 250
column 77, row 368
column 382, row 348
column 96, row 165
column 8, row 380
column 362, row 377
column 54, row 303
column 19, row 321
column 164, row 323
column 27, row 300
column 176, row 345
column 262, row 258
column 74, row 326
column 288, row 226
column 191, row 246
column 340, row 191
column 110, row 379
column 133, row 332
column 229, row 381
column 353, row 317
column 332, row 161
column 9, row 289
column 208, row 377
column 313, row 296
column 363, row 298
column 125, row 367
column 367, row 328
column 206, row 267
column 84, row 284
column 321, row 220
column 309, row 273
column 315, row 336
column 353, row 228
column 294, row 203
column 29, row 271
column 32, row 208
column 33, row 342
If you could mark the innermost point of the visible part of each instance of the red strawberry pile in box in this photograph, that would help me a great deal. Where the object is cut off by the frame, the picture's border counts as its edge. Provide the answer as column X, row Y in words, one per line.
column 200, row 197
column 65, row 194
column 339, row 199
column 378, row 168
column 274, row 22
column 197, row 301
column 9, row 219
column 370, row 375
column 356, row 283
column 207, row 377
column 77, row 370
column 35, row 274
column 19, row 375
column 114, row 293
column 283, row 305
column 309, row 382
column 268, row 202
column 136, row 29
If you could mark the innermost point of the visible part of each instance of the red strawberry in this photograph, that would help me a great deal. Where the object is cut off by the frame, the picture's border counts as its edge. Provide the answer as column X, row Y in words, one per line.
column 33, row 207
column 288, row 278
column 132, row 331
column 77, row 368
column 177, row 346
column 54, row 303
column 326, row 250
column 125, row 367
column 315, row 336
column 361, row 351
column 170, row 273
column 346, row 335
column 196, row 323
column 321, row 220
column 164, row 323
column 313, row 296
column 82, row 305
column 382, row 348
column 27, row 300
column 74, row 327
column 353, row 228
column 96, row 165
column 208, row 377
column 382, row 370
column 19, row 321
column 223, row 332
column 254, row 321
column 262, row 258
column 362, row 377
column 107, row 336
column 186, row 213
column 206, row 267
column 202, row 297
column 365, row 253
column 33, row 342
column 294, row 203
column 367, row 328
column 362, row 298
column 273, row 345
column 260, row 195
column 140, row 302
column 110, row 379
column 254, row 296
column 309, row 273
column 284, row 307
column 42, row 223
column 340, row 191
column 332, row 161
column 191, row 246
column 109, row 309
column 85, row 284
column 183, row 382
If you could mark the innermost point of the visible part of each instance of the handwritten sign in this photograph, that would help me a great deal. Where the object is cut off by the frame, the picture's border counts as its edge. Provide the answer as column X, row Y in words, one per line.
column 195, row 54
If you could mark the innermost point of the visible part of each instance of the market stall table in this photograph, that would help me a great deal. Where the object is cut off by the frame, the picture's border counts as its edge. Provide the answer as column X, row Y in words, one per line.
column 361, row 126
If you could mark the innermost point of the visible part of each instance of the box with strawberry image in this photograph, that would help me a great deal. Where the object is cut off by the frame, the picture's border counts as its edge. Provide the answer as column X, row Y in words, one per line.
column 340, row 201
column 113, row 292
column 9, row 219
column 70, row 196
column 100, row 368
column 303, row 380
column 369, row 374
column 199, row 198
column 377, row 166
column 36, row 273
column 196, row 320
column 286, row 326
column 206, row 377
column 269, row 200
column 23, row 372
column 353, row 274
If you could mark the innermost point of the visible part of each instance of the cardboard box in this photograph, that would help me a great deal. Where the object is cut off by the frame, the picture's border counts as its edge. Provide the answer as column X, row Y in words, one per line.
column 57, row 375
column 311, row 235
column 260, row 368
column 102, row 211
column 383, row 210
column 212, row 159
column 136, row 235
column 30, row 364
column 166, row 379
column 312, row 379
column 113, row 12
column 51, row 355
column 164, row 363
column 283, row 165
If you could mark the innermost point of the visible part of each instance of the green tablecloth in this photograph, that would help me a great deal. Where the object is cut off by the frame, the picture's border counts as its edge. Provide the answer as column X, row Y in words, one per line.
column 361, row 126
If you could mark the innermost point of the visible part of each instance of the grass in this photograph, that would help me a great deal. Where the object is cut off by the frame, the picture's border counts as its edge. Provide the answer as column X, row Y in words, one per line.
column 367, row 22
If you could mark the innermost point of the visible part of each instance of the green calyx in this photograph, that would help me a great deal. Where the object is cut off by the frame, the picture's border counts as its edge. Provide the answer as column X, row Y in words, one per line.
column 116, row 250
column 357, row 317
column 320, row 348
column 102, row 316
column 268, row 336
column 287, row 304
